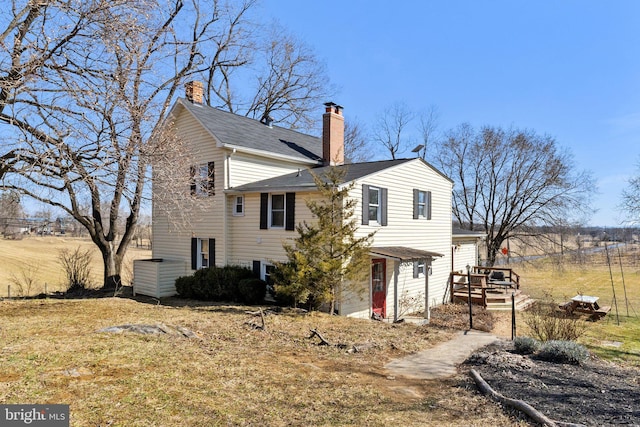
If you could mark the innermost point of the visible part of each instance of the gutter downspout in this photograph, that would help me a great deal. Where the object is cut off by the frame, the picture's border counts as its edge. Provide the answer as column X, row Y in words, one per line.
column 225, row 213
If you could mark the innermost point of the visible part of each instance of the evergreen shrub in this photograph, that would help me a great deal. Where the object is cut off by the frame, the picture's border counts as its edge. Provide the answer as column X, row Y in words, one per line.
column 563, row 352
column 526, row 345
column 214, row 283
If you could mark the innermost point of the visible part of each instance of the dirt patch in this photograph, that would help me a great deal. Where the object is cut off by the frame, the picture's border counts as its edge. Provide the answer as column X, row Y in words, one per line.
column 596, row 393
column 456, row 316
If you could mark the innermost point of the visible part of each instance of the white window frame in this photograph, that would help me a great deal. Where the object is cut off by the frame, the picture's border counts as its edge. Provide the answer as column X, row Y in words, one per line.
column 284, row 211
column 422, row 205
column 420, row 268
column 238, row 201
column 377, row 205
column 202, row 253
column 266, row 276
column 201, row 179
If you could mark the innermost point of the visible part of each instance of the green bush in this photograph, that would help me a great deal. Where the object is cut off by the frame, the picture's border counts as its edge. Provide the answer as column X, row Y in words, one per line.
column 526, row 345
column 185, row 286
column 214, row 283
column 252, row 290
column 563, row 352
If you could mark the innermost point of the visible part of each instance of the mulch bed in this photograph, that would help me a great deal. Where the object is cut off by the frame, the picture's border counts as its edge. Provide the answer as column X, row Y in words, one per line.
column 596, row 393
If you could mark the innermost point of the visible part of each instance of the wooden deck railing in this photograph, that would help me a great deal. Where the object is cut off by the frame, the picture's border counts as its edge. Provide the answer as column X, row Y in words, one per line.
column 482, row 279
column 459, row 286
column 508, row 273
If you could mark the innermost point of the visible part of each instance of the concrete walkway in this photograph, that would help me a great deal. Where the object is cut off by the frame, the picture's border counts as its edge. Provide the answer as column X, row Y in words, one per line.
column 442, row 360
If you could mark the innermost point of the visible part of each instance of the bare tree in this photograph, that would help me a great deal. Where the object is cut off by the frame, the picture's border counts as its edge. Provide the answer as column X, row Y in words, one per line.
column 86, row 90
column 631, row 199
column 390, row 128
column 511, row 181
column 429, row 121
column 11, row 212
column 288, row 81
column 356, row 148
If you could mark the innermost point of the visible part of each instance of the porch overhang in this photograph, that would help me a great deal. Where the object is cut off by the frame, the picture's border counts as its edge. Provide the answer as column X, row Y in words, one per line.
column 403, row 254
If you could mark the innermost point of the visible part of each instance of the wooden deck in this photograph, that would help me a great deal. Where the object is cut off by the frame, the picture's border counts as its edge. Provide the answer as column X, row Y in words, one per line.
column 490, row 287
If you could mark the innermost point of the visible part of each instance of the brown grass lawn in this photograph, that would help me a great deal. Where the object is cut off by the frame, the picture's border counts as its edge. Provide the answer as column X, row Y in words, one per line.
column 617, row 335
column 36, row 259
column 233, row 374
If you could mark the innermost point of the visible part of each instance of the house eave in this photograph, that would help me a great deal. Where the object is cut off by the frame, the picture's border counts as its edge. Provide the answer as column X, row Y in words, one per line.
column 271, row 189
column 403, row 253
column 266, row 154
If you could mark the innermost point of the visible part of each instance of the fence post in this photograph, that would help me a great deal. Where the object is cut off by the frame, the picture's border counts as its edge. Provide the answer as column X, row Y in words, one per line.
column 8, row 291
column 513, row 316
column 469, row 286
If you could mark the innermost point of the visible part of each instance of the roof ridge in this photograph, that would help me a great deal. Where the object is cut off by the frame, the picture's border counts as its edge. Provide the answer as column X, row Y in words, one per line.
column 189, row 104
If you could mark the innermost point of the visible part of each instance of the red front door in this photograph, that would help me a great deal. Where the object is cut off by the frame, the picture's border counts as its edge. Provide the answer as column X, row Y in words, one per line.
column 379, row 286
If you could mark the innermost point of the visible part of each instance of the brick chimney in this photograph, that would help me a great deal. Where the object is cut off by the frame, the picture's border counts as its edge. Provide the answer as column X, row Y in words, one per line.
column 193, row 92
column 333, row 135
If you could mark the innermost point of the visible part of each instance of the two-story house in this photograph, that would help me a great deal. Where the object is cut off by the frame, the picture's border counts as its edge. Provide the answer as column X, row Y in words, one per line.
column 257, row 178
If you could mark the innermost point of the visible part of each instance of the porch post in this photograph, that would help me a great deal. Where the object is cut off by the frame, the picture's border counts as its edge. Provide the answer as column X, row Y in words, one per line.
column 396, row 273
column 427, row 311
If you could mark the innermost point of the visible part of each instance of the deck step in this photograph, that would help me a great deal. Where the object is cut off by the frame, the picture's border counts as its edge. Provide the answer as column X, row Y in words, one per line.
column 522, row 303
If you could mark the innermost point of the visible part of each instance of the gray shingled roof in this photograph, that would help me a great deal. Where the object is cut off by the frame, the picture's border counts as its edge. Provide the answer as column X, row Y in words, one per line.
column 239, row 131
column 303, row 180
column 458, row 232
column 403, row 253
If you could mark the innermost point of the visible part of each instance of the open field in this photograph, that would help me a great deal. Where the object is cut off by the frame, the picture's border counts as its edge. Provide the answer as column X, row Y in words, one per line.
column 561, row 280
column 37, row 258
column 232, row 374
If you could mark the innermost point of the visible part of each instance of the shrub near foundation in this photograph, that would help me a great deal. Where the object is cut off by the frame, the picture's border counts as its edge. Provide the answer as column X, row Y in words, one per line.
column 252, row 290
column 218, row 284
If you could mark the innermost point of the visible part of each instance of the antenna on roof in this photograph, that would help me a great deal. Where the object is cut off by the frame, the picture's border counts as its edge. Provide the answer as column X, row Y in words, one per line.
column 418, row 148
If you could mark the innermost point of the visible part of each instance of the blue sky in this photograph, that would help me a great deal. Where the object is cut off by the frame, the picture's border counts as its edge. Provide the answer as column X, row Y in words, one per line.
column 569, row 69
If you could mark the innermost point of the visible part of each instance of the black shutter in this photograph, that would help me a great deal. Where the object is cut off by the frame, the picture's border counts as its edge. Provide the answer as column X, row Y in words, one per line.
column 256, row 269
column 264, row 213
column 416, row 200
column 428, row 204
column 212, row 252
column 415, row 269
column 192, row 179
column 210, row 179
column 383, row 206
column 194, row 253
column 365, row 204
column 290, row 206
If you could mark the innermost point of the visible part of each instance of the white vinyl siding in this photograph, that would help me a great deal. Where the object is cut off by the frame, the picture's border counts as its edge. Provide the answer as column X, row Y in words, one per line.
column 156, row 278
column 247, row 242
column 246, row 168
column 403, row 230
column 172, row 236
